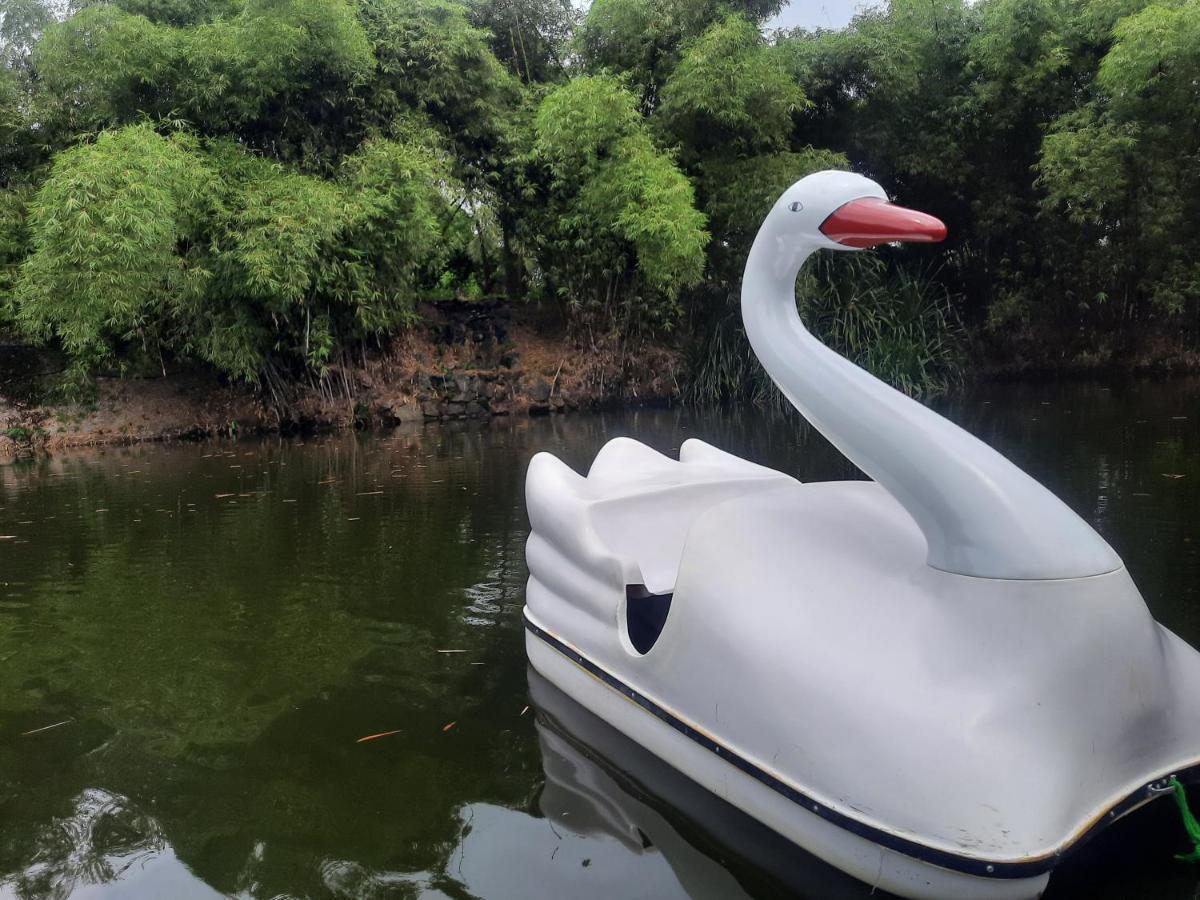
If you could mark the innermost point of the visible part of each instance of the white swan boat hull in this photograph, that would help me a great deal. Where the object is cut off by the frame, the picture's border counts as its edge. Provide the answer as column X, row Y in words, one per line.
column 861, row 857
column 932, row 734
column 639, row 800
column 817, row 831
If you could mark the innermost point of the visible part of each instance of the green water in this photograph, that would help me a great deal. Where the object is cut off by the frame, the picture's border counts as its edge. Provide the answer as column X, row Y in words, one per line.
column 194, row 637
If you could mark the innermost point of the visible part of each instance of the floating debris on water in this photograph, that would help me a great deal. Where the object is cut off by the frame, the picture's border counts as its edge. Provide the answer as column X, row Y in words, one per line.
column 382, row 734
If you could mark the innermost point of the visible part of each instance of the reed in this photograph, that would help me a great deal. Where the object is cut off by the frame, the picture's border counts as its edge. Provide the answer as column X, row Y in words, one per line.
column 898, row 324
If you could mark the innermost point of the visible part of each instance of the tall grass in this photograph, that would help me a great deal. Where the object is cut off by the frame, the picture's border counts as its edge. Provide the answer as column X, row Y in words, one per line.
column 896, row 324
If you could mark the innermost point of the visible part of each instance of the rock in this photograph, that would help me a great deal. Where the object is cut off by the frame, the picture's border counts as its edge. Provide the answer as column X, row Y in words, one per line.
column 397, row 410
column 465, row 388
column 539, row 391
column 408, row 412
column 456, row 409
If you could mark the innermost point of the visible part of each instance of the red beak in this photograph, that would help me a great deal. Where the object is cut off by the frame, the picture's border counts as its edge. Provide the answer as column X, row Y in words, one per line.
column 871, row 220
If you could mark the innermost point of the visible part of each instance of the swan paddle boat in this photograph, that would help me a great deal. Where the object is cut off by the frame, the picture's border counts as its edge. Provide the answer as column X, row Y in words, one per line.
column 939, row 680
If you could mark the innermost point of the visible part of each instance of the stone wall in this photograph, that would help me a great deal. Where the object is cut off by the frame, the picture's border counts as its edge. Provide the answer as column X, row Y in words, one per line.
column 464, row 360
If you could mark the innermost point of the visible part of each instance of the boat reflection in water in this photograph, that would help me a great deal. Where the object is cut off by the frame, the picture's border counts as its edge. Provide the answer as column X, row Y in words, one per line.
column 714, row 849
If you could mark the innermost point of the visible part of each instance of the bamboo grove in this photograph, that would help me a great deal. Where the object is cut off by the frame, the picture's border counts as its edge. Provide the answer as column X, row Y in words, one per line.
column 256, row 185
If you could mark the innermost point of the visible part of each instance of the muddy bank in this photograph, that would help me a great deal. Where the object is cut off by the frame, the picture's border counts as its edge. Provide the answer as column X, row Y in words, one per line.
column 465, row 360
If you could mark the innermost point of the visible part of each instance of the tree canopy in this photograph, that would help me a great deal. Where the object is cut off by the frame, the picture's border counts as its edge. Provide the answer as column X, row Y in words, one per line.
column 258, row 185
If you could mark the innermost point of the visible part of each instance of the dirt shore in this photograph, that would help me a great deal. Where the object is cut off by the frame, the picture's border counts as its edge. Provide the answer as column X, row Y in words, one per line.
column 464, row 360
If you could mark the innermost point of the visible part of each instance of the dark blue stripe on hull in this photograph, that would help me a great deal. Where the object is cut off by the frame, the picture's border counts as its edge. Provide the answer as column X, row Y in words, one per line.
column 955, row 862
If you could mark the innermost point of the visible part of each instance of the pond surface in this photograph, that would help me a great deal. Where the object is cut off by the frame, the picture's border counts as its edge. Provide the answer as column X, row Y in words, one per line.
column 194, row 639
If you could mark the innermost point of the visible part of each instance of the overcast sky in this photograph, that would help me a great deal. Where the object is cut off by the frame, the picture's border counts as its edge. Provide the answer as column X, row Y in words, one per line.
column 819, row 13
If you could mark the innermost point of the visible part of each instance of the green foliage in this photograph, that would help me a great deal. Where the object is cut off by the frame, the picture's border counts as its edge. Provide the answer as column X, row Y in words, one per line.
column 897, row 324
column 103, row 65
column 105, row 228
column 394, row 234
column 644, row 39
column 260, row 184
column 216, row 254
column 620, row 233
column 14, row 242
column 1150, row 72
column 529, row 36
column 1123, row 168
column 1054, row 138
column 740, row 192
column 253, row 72
column 281, row 223
column 177, row 12
column 21, row 23
column 730, row 93
column 1086, row 166
column 644, row 198
column 578, row 124
column 634, row 37
column 329, row 161
column 272, row 231
column 303, row 266
column 900, row 326
column 896, row 86
column 432, row 59
column 18, row 150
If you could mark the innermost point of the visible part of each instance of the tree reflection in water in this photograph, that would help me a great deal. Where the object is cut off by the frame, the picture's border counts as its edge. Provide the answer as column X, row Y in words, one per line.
column 103, row 843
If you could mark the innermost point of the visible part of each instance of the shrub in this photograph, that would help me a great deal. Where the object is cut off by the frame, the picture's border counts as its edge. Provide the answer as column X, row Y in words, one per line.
column 211, row 253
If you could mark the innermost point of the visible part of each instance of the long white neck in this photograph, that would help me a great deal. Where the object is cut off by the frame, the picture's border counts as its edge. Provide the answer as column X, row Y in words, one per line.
column 980, row 514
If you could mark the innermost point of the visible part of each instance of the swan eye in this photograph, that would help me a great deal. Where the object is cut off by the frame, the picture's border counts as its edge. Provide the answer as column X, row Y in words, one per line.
column 795, row 206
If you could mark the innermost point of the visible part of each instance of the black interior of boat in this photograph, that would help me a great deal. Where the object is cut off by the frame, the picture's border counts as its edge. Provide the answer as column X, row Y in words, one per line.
column 645, row 615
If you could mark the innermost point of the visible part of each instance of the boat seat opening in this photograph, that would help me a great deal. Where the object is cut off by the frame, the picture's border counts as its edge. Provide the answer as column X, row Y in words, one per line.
column 641, row 504
column 645, row 616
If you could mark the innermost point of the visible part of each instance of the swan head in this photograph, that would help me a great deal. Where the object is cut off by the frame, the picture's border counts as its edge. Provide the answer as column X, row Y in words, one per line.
column 846, row 211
